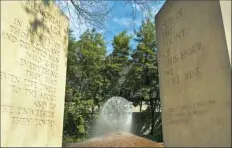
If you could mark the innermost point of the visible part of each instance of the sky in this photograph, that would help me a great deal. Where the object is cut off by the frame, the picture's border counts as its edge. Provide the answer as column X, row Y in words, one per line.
column 120, row 19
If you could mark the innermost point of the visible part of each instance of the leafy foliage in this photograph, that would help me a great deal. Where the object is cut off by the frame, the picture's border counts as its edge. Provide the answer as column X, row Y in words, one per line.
column 93, row 77
column 84, row 83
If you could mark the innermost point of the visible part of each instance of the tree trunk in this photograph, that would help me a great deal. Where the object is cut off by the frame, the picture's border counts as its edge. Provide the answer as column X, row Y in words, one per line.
column 94, row 99
column 99, row 107
column 92, row 111
column 152, row 116
column 140, row 106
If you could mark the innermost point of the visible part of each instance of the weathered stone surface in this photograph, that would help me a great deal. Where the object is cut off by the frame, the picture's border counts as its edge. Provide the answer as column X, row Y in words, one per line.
column 226, row 17
column 195, row 74
column 33, row 72
column 119, row 139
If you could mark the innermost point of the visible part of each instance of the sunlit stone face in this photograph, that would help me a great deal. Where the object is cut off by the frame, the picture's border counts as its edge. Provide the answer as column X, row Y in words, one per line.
column 117, row 110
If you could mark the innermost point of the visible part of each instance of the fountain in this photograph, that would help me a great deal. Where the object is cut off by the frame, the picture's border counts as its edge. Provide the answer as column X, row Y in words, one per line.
column 113, row 127
column 115, row 116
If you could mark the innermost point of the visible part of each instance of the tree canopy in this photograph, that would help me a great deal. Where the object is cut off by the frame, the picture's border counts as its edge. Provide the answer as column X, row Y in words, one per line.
column 93, row 77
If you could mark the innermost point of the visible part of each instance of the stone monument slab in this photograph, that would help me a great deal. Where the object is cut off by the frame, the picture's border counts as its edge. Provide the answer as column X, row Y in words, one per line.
column 195, row 74
column 34, row 41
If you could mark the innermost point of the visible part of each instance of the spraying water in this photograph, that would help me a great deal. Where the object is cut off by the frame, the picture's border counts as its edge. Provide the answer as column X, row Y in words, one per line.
column 116, row 115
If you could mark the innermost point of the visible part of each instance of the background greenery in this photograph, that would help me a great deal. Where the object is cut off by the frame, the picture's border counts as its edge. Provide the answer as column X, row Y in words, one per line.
column 93, row 77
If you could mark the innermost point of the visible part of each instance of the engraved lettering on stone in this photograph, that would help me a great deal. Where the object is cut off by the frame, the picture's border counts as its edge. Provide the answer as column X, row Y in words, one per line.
column 192, row 73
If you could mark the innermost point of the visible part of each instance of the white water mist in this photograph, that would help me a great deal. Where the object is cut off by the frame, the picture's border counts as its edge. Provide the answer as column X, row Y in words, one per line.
column 115, row 115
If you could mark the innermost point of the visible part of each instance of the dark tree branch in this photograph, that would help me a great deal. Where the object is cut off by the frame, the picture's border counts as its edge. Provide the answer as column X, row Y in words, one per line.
column 94, row 13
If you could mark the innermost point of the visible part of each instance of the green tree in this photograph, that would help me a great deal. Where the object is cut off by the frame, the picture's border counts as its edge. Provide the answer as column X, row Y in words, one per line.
column 84, row 84
column 143, row 74
column 91, row 57
column 117, row 61
column 73, row 120
column 93, row 77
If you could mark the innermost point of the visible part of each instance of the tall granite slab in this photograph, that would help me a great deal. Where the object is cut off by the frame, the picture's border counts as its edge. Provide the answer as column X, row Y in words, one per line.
column 34, row 40
column 195, row 74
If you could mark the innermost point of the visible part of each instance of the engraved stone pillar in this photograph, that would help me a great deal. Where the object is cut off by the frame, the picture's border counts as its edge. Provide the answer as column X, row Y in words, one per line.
column 34, row 39
column 193, row 39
